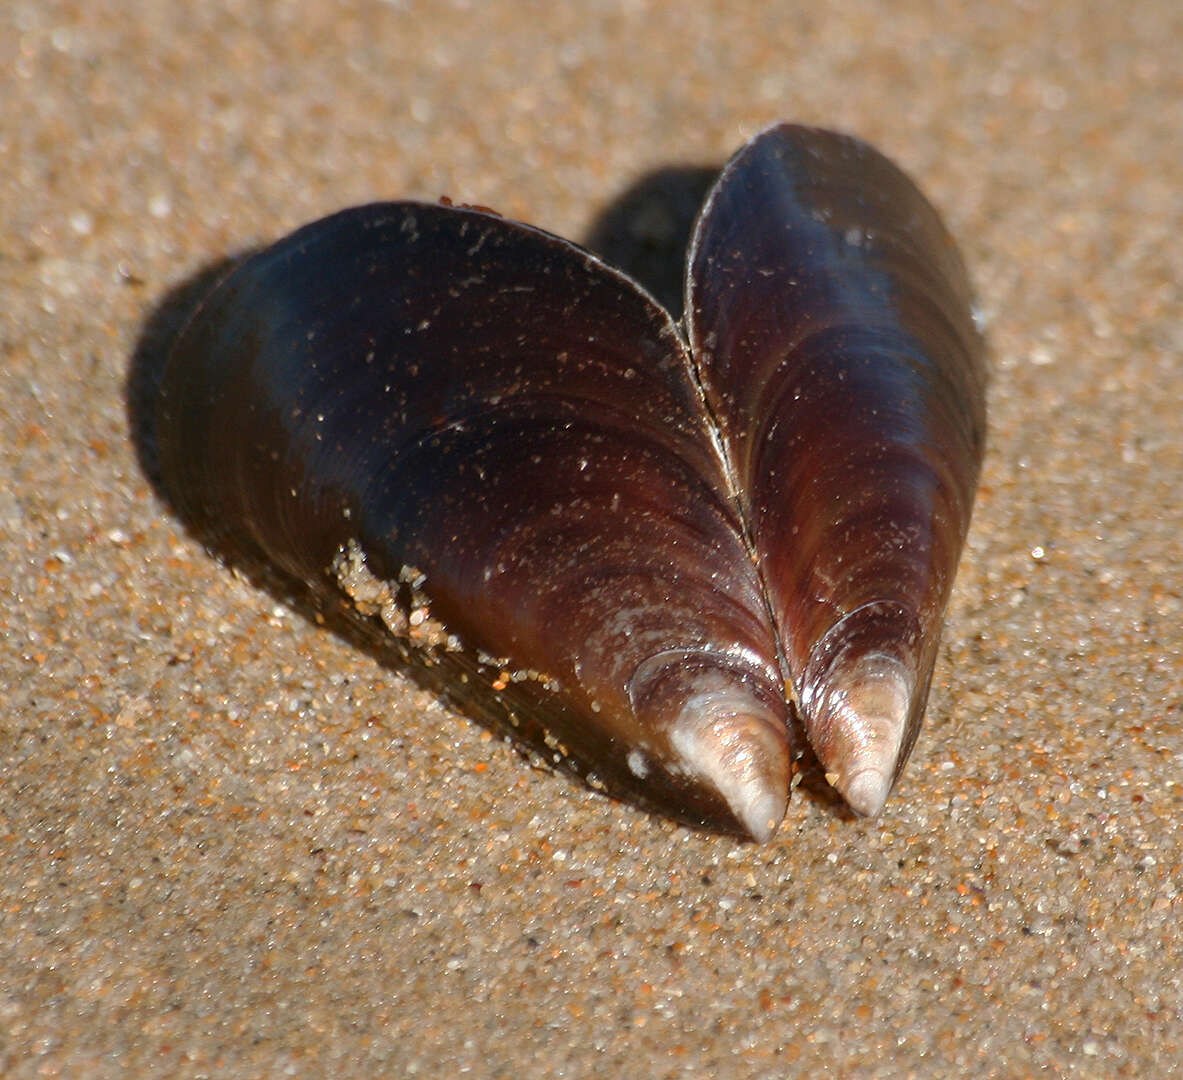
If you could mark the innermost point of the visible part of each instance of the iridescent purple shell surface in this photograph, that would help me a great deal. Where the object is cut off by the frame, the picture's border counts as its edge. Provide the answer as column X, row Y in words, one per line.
column 654, row 551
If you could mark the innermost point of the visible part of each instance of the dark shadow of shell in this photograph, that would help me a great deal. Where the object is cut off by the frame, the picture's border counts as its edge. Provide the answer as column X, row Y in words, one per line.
column 645, row 231
column 146, row 367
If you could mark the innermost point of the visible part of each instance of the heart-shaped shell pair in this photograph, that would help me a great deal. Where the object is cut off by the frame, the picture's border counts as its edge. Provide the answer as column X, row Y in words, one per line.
column 639, row 545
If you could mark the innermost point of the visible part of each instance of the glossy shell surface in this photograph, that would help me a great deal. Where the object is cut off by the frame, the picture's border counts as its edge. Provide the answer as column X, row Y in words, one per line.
column 640, row 547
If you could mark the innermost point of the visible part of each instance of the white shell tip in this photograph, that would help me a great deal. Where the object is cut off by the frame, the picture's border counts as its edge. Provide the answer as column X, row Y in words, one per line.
column 867, row 723
column 866, row 791
column 741, row 758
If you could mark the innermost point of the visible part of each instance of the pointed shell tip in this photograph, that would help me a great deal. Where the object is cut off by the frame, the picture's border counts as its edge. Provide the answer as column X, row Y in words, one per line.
column 866, row 792
column 746, row 763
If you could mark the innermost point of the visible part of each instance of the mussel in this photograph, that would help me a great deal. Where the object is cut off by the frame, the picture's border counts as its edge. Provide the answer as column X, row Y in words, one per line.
column 653, row 551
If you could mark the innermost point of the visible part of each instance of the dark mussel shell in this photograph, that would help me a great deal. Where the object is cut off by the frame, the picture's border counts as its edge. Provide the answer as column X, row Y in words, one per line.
column 829, row 314
column 500, row 457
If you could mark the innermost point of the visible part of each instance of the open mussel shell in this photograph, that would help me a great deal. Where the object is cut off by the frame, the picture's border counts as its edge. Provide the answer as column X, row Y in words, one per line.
column 502, row 460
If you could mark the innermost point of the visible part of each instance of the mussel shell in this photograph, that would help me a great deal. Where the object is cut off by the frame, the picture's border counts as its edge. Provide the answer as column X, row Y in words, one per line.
column 499, row 457
column 508, row 430
column 830, row 315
